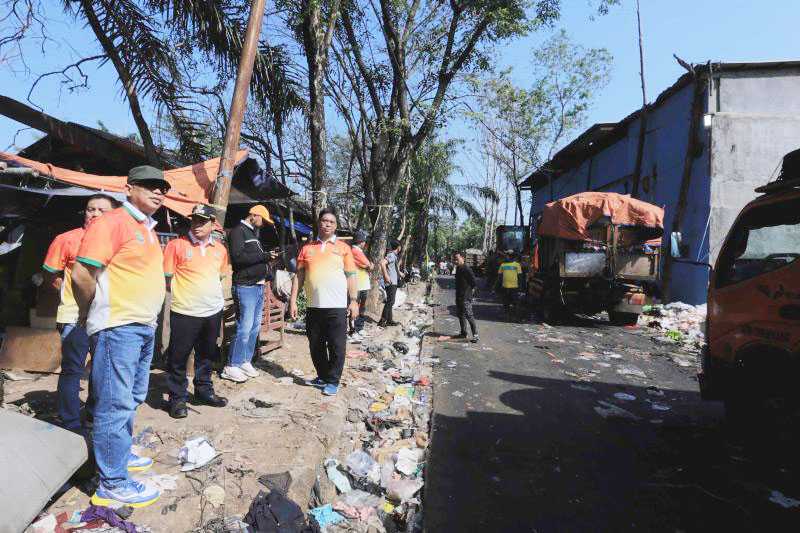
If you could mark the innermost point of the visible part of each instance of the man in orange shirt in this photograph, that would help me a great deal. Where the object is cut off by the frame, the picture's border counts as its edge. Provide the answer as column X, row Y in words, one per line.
column 194, row 266
column 326, row 270
column 118, row 283
column 74, row 343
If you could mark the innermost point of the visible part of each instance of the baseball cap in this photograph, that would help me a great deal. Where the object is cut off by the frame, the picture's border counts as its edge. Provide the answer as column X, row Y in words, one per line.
column 203, row 211
column 261, row 211
column 147, row 173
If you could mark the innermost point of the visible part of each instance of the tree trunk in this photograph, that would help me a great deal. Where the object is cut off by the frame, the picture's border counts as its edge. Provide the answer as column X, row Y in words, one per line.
column 126, row 80
column 637, row 169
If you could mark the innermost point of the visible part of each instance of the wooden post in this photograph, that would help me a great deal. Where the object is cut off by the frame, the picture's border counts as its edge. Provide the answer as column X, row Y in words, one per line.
column 222, row 187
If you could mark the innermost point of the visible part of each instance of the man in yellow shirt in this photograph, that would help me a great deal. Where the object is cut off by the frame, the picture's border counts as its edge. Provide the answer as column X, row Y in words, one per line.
column 509, row 272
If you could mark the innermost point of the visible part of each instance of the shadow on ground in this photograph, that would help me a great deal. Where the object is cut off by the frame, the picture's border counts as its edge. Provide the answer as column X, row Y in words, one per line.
column 558, row 465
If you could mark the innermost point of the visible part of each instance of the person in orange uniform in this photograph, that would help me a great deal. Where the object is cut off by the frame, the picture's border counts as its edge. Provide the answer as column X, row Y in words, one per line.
column 118, row 283
column 326, row 270
column 74, row 342
column 364, row 266
column 194, row 266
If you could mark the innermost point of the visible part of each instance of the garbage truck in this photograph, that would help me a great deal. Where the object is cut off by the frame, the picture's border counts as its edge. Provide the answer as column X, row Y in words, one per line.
column 596, row 251
column 752, row 350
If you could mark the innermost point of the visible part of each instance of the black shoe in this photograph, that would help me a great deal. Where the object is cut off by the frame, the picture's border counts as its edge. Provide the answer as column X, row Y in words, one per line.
column 475, row 339
column 211, row 399
column 392, row 323
column 381, row 323
column 178, row 410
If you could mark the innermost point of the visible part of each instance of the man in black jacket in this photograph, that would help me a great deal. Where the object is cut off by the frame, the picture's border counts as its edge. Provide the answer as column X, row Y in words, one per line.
column 250, row 273
column 465, row 289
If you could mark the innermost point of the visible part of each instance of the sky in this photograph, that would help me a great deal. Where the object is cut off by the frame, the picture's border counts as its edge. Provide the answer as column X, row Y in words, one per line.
column 695, row 30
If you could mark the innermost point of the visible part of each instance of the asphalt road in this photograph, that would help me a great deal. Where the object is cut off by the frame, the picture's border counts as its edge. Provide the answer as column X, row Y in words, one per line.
column 522, row 442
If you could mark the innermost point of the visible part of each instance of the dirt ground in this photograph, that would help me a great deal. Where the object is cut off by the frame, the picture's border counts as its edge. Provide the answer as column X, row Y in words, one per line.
column 295, row 433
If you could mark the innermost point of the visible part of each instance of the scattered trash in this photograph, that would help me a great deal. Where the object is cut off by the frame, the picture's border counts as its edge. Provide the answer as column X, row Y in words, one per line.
column 360, row 463
column 458, row 394
column 400, row 347
column 215, row 495
column 107, row 515
column 609, row 410
column 377, row 407
column 408, row 460
column 630, row 370
column 338, row 479
column 325, row 516
column 778, row 497
column 655, row 391
column 659, row 407
column 273, row 511
column 277, row 482
column 624, row 396
column 196, row 453
column 401, row 490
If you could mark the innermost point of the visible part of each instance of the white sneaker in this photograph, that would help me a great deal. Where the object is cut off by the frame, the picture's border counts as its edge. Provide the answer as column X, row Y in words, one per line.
column 249, row 370
column 233, row 373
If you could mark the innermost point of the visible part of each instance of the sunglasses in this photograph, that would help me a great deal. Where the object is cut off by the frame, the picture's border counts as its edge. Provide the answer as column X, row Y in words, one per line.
column 155, row 186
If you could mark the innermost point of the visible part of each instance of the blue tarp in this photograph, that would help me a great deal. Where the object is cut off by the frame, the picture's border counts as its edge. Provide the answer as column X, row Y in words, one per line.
column 298, row 226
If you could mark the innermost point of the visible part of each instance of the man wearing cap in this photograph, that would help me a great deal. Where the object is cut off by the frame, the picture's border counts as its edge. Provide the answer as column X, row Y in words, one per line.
column 58, row 263
column 363, row 266
column 118, row 283
column 250, row 273
column 194, row 266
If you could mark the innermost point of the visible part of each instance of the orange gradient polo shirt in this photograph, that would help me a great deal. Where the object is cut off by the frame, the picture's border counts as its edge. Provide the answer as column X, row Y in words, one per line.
column 327, row 266
column 196, row 270
column 130, row 287
column 59, row 259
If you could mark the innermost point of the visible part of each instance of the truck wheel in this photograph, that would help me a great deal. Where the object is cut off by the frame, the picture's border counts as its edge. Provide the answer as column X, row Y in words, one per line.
column 619, row 318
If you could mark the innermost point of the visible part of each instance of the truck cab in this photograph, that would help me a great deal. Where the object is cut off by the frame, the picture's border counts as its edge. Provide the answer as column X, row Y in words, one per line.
column 753, row 325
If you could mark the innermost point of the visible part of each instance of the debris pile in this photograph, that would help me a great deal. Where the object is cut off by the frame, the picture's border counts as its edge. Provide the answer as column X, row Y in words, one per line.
column 378, row 481
column 678, row 322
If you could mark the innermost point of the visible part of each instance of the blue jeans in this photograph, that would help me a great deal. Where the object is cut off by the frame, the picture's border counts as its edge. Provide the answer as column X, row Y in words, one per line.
column 249, row 310
column 74, row 349
column 120, row 374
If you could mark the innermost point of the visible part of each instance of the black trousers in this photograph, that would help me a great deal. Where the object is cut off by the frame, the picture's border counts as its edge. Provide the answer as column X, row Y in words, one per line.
column 465, row 314
column 391, row 291
column 327, row 340
column 187, row 333
column 508, row 297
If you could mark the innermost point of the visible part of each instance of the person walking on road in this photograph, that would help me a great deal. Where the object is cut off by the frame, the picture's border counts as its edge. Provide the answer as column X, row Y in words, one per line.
column 465, row 291
column 327, row 271
column 250, row 274
column 194, row 266
column 509, row 272
column 391, row 277
column 118, row 283
column 363, row 266
column 59, row 262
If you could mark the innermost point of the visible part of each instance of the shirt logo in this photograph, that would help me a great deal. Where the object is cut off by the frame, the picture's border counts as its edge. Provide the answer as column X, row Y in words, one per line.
column 188, row 254
column 140, row 237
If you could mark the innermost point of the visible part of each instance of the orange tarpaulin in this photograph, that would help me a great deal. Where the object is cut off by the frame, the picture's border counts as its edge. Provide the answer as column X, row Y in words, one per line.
column 571, row 217
column 190, row 185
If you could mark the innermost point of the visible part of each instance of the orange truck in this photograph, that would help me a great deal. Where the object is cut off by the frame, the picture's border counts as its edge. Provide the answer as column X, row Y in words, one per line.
column 596, row 251
column 753, row 325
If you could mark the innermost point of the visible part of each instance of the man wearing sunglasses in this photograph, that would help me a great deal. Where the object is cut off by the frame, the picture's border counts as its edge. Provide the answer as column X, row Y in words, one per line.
column 118, row 283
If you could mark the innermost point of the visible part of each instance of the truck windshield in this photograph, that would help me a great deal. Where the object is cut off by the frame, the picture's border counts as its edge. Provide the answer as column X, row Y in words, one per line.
column 765, row 239
column 511, row 239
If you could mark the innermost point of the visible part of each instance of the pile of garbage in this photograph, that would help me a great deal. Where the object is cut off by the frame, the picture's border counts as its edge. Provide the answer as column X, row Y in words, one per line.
column 678, row 322
column 379, row 483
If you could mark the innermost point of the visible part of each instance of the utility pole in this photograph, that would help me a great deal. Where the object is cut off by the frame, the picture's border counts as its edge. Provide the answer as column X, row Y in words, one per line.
column 222, row 187
column 637, row 170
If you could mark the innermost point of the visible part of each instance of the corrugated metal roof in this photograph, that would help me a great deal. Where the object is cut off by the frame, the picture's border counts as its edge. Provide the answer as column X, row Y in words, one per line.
column 599, row 136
